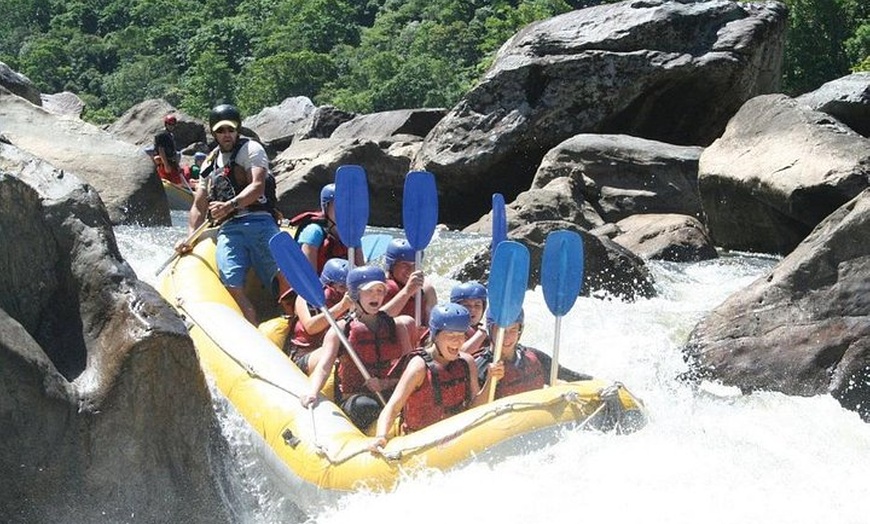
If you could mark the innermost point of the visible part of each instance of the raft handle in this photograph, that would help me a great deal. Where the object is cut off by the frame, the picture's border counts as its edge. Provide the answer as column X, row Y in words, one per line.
column 290, row 439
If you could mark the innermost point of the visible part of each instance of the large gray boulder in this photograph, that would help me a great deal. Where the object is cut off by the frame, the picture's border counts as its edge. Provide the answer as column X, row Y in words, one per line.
column 647, row 69
column 65, row 103
column 621, row 175
column 19, row 84
column 671, row 237
column 804, row 329
column 847, row 99
column 778, row 170
column 277, row 126
column 105, row 414
column 610, row 269
column 121, row 174
column 140, row 123
column 417, row 122
column 305, row 167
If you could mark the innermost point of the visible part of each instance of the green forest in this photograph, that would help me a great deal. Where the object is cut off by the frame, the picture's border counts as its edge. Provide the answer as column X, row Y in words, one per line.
column 358, row 55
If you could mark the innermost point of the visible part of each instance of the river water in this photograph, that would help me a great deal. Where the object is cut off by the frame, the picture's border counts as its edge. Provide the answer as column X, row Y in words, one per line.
column 707, row 456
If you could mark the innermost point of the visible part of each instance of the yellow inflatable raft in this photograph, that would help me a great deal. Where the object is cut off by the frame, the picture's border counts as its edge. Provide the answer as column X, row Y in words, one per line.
column 320, row 451
column 179, row 197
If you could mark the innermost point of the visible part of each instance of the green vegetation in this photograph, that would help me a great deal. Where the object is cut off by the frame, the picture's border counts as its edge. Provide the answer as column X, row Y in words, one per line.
column 361, row 56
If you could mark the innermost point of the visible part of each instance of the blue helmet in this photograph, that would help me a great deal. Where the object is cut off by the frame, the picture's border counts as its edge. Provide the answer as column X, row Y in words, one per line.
column 448, row 317
column 359, row 278
column 399, row 250
column 468, row 290
column 334, row 272
column 327, row 195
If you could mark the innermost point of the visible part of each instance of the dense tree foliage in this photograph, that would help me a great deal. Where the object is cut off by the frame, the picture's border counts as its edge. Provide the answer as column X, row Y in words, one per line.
column 358, row 55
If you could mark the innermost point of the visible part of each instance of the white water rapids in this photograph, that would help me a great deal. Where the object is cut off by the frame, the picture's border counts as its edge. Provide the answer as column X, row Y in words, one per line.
column 705, row 457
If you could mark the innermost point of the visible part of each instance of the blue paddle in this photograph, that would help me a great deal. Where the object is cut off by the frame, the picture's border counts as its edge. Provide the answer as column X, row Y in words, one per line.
column 375, row 245
column 499, row 221
column 351, row 207
column 419, row 218
column 295, row 266
column 561, row 280
column 506, row 289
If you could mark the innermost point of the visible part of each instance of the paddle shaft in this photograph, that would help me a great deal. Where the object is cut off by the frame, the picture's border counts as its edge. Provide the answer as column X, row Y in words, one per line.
column 351, row 258
column 350, row 351
column 554, row 364
column 497, row 343
column 190, row 238
column 418, row 297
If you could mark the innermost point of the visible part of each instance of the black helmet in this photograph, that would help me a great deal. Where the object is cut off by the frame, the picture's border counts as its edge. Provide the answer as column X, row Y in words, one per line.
column 224, row 114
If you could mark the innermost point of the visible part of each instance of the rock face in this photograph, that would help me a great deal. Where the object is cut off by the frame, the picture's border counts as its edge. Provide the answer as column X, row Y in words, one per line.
column 777, row 171
column 120, row 173
column 105, row 415
column 805, row 328
column 643, row 68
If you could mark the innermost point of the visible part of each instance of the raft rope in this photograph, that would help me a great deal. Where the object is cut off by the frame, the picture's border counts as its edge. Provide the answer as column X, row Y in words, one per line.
column 571, row 397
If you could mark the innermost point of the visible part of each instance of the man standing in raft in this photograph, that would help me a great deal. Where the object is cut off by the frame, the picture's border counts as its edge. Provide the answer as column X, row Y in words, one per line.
column 238, row 192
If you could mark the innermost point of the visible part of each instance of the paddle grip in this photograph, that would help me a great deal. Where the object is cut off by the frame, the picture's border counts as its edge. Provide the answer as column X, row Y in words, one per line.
column 497, row 343
column 190, row 238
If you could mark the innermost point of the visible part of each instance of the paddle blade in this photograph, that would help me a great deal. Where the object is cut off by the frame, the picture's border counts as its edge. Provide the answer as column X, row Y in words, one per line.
column 351, row 204
column 419, row 208
column 508, row 279
column 562, row 270
column 374, row 246
column 296, row 268
column 499, row 220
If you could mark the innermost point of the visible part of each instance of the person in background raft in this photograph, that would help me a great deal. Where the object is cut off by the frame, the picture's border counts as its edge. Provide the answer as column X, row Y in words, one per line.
column 237, row 192
column 317, row 234
column 198, row 159
column 405, row 279
column 437, row 381
column 378, row 339
column 525, row 368
column 165, row 152
column 472, row 296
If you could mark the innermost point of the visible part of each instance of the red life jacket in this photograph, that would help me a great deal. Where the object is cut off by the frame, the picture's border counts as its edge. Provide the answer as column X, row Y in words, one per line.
column 169, row 173
column 525, row 373
column 410, row 307
column 332, row 246
column 377, row 350
column 444, row 392
column 304, row 342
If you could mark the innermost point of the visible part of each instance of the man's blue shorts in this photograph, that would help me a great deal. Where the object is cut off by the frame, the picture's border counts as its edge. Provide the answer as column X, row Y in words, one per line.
column 244, row 242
